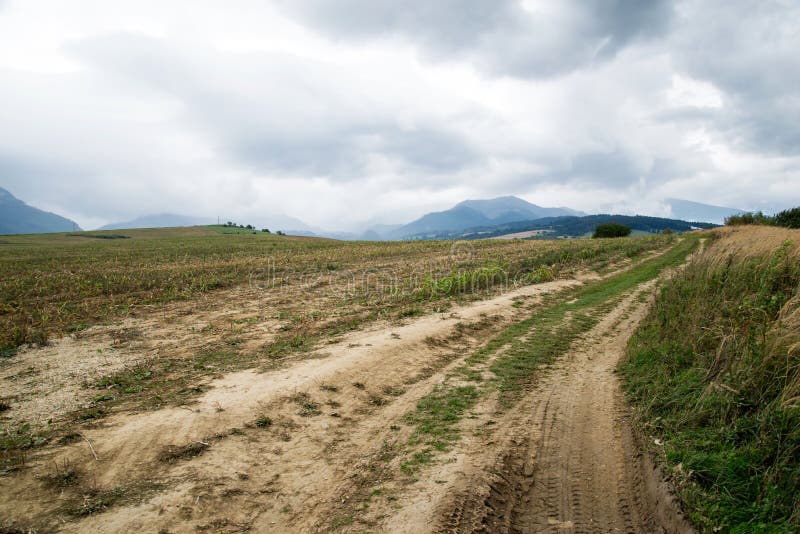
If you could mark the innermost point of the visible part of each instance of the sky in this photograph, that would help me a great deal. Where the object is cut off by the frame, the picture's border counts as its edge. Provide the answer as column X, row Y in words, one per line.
column 353, row 112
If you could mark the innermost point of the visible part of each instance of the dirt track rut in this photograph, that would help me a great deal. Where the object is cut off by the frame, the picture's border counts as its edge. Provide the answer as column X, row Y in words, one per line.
column 562, row 460
column 569, row 462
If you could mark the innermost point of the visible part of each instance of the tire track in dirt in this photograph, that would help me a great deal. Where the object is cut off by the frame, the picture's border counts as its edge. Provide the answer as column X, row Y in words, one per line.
column 569, row 463
column 264, row 478
column 288, row 477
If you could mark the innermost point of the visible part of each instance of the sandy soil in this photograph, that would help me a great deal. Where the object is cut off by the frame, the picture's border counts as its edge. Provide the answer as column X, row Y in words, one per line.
column 565, row 460
column 250, row 475
column 313, row 446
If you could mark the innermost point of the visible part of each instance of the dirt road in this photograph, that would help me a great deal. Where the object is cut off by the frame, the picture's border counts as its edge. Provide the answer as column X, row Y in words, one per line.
column 321, row 445
column 568, row 462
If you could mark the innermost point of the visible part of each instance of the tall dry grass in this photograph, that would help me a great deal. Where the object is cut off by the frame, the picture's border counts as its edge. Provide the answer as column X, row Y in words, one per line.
column 714, row 372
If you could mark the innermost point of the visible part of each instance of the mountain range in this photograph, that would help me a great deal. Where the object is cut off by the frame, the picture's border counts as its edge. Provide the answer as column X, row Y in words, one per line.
column 17, row 217
column 695, row 211
column 160, row 220
column 169, row 220
column 569, row 226
column 490, row 216
column 472, row 213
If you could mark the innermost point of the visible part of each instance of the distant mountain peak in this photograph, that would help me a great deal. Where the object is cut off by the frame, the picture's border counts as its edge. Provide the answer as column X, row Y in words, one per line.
column 478, row 212
column 17, row 217
column 158, row 220
column 171, row 220
column 690, row 210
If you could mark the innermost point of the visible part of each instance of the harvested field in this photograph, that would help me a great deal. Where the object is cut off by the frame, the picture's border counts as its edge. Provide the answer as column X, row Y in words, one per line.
column 240, row 409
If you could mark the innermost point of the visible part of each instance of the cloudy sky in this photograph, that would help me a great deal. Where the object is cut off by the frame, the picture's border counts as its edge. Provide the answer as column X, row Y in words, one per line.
column 353, row 111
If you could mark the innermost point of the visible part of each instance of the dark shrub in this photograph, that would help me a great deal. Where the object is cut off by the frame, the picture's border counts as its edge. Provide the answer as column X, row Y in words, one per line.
column 612, row 230
column 788, row 218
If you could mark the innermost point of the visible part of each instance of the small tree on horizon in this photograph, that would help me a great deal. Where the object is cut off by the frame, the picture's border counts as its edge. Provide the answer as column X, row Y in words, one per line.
column 611, row 230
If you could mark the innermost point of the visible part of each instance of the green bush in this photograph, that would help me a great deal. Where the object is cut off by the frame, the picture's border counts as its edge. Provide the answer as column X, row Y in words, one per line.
column 788, row 218
column 756, row 217
column 612, row 230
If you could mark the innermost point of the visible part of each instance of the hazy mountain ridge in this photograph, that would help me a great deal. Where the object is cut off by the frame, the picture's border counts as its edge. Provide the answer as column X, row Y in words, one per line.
column 571, row 226
column 170, row 220
column 510, row 208
column 17, row 217
column 697, row 211
column 475, row 213
column 159, row 220
column 486, row 216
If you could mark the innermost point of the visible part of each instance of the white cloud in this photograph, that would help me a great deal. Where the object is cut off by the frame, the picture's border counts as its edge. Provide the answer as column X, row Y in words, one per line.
column 338, row 113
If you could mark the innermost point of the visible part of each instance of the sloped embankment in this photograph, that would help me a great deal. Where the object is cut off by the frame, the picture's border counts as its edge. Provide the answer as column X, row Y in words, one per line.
column 714, row 375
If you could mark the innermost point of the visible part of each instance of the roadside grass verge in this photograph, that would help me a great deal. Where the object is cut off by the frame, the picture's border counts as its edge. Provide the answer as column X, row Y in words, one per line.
column 714, row 374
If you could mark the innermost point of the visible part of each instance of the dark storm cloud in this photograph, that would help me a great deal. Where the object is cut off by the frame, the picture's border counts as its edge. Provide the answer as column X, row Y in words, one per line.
column 498, row 36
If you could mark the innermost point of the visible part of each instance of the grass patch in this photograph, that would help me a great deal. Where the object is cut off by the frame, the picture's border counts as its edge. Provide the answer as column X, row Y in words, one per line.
column 436, row 418
column 90, row 414
column 216, row 359
column 410, row 312
column 95, row 501
column 464, row 281
column 63, row 476
column 437, row 414
column 341, row 521
column 131, row 380
column 174, row 453
column 287, row 345
column 263, row 421
column 308, row 407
